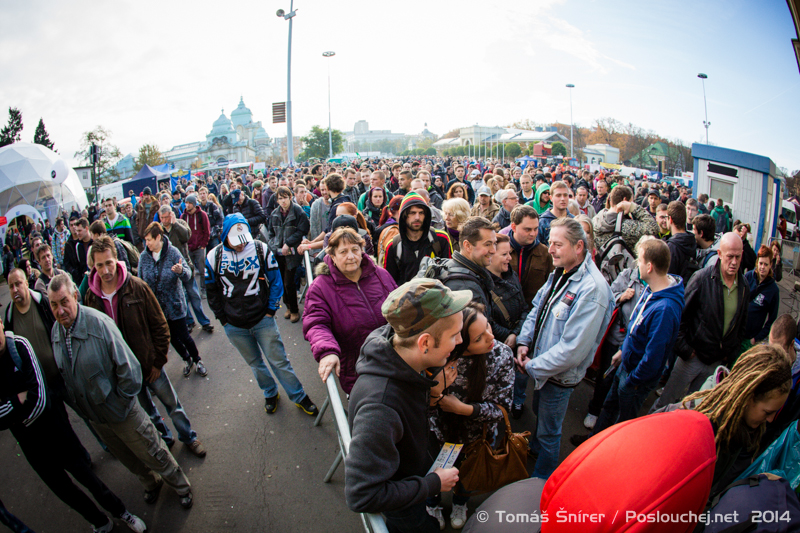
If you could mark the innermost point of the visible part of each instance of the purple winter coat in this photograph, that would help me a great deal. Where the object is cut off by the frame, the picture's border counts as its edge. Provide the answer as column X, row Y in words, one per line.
column 339, row 314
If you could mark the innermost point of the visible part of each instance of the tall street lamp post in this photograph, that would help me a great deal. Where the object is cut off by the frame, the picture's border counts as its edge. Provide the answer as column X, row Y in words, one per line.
column 570, row 87
column 706, row 123
column 330, row 136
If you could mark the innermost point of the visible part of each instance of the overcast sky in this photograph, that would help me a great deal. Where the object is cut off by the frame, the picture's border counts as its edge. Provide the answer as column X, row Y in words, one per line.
column 160, row 72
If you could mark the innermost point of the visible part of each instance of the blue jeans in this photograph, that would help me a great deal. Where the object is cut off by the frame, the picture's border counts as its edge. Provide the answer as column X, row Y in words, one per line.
column 550, row 406
column 265, row 335
column 193, row 295
column 163, row 390
column 520, row 384
column 623, row 400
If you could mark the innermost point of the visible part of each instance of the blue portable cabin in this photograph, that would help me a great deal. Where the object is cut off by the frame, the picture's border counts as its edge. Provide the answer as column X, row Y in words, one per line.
column 748, row 183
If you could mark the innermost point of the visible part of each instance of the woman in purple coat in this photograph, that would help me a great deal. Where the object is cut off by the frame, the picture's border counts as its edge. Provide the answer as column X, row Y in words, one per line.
column 343, row 305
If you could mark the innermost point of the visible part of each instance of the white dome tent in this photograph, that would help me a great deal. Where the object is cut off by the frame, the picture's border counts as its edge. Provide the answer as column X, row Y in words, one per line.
column 37, row 183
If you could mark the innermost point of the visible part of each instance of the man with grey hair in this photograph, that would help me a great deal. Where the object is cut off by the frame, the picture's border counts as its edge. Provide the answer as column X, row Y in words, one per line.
column 508, row 201
column 103, row 379
column 567, row 321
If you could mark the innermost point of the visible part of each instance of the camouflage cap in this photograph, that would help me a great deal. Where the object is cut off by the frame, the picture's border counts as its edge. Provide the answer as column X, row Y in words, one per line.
column 415, row 306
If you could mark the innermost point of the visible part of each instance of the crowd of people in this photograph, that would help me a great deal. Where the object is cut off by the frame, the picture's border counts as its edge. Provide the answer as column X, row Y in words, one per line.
column 443, row 292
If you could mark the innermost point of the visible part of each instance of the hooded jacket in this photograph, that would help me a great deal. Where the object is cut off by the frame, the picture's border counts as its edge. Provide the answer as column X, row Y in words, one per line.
column 721, row 218
column 138, row 315
column 412, row 252
column 372, row 212
column 531, row 264
column 702, row 330
column 652, row 330
column 166, row 284
column 502, row 219
column 681, row 246
column 765, row 299
column 489, row 213
column 386, row 469
column 577, row 316
column 252, row 288
column 201, row 228
column 537, row 200
column 332, row 301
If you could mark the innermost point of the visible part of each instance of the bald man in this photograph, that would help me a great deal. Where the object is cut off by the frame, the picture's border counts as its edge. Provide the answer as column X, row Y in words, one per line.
column 712, row 325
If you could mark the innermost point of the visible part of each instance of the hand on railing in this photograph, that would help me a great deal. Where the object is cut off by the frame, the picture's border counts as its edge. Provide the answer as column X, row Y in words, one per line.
column 327, row 364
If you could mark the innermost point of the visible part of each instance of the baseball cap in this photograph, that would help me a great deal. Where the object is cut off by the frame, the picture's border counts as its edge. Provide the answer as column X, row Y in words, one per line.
column 415, row 306
column 235, row 194
column 484, row 191
column 475, row 173
column 239, row 234
column 653, row 192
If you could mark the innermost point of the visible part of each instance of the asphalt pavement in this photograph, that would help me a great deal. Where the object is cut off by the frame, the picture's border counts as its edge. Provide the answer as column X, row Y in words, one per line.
column 263, row 473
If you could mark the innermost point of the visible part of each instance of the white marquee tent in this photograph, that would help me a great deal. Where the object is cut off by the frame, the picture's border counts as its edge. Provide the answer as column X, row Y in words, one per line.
column 36, row 182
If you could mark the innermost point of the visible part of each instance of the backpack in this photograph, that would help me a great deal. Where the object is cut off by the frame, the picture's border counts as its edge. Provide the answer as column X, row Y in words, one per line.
column 692, row 265
column 615, row 255
column 133, row 253
column 397, row 242
column 436, row 268
column 762, row 503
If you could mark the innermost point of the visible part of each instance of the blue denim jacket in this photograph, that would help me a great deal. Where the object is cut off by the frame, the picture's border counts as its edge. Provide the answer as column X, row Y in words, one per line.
column 104, row 376
column 572, row 331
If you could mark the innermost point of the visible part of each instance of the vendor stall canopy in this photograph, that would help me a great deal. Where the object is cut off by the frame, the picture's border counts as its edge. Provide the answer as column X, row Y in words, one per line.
column 28, row 178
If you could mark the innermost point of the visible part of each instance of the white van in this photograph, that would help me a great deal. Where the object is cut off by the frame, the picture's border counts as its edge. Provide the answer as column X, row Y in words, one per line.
column 789, row 211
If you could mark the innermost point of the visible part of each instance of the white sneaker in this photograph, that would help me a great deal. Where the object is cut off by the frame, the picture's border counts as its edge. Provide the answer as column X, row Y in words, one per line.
column 134, row 522
column 436, row 512
column 589, row 421
column 458, row 517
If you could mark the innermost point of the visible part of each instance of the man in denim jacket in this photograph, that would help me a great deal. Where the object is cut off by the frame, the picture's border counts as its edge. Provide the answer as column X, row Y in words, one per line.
column 570, row 314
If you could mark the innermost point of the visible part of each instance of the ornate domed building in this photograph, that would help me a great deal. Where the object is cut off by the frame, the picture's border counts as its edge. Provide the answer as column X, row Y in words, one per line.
column 231, row 140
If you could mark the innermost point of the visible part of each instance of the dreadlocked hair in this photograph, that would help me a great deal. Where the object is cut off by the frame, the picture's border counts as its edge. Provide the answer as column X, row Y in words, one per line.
column 759, row 373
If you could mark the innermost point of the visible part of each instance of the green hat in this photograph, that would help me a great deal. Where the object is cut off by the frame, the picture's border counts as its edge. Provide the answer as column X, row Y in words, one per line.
column 415, row 306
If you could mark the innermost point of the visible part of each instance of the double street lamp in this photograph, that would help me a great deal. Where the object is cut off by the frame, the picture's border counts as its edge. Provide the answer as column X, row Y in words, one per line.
column 570, row 86
column 330, row 136
column 706, row 123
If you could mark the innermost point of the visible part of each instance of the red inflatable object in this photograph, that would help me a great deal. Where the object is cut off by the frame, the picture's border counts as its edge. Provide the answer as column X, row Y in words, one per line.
column 651, row 474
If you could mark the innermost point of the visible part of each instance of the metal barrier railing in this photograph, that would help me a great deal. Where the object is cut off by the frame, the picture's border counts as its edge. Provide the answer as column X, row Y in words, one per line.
column 372, row 522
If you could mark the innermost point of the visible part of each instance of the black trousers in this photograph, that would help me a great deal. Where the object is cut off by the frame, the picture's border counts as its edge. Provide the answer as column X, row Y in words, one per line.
column 289, row 287
column 602, row 386
column 54, row 451
column 180, row 339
